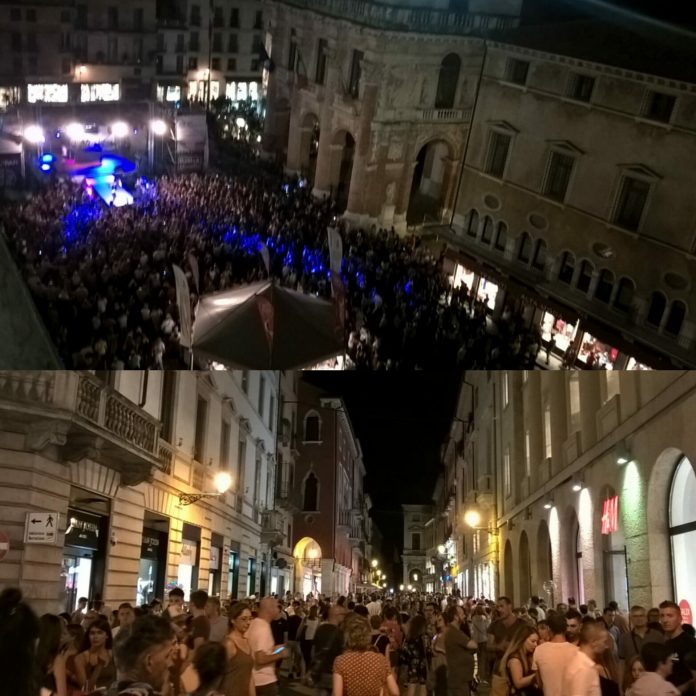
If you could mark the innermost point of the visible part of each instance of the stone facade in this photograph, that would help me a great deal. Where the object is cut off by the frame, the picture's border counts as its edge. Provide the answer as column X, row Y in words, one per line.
column 372, row 94
column 417, row 522
column 112, row 457
column 539, row 460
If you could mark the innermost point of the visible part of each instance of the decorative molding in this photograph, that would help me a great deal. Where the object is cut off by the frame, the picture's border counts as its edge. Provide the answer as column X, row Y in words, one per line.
column 92, row 476
column 41, row 434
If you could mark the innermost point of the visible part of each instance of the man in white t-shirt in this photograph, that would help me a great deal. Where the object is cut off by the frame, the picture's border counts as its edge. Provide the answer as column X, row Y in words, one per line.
column 263, row 648
column 581, row 677
column 374, row 607
column 553, row 657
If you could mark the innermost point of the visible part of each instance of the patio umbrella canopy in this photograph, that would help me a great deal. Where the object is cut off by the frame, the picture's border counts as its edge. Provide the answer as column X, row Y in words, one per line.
column 265, row 326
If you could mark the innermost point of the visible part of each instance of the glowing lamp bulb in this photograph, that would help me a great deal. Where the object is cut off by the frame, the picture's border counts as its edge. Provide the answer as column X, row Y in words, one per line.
column 119, row 129
column 375, row 562
column 45, row 167
column 472, row 518
column 222, row 482
column 34, row 134
column 241, row 123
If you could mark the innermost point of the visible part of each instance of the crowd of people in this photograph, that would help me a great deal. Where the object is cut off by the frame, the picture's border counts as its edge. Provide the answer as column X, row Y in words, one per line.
column 102, row 276
column 362, row 645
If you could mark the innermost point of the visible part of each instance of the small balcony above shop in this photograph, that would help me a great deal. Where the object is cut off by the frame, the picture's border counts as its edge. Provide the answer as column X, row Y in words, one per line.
column 81, row 416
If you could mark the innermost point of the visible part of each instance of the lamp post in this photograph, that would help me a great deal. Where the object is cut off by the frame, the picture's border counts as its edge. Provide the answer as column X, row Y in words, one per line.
column 222, row 483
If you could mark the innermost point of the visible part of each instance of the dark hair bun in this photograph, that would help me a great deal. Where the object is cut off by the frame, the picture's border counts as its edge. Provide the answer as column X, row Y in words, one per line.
column 10, row 599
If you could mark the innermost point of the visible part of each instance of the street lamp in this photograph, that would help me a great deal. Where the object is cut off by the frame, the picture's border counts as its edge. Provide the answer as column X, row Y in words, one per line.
column 384, row 575
column 473, row 518
column 76, row 132
column 441, row 548
column 158, row 126
column 375, row 562
column 410, row 587
column 415, row 577
column 384, row 585
column 34, row 135
column 222, row 483
column 119, row 129
column 401, row 588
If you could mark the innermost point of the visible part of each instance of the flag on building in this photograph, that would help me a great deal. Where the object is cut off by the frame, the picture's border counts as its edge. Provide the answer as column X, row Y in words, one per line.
column 183, row 300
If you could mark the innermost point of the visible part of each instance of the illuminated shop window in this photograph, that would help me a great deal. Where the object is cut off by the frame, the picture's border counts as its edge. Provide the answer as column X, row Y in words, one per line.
column 50, row 93
column 101, row 91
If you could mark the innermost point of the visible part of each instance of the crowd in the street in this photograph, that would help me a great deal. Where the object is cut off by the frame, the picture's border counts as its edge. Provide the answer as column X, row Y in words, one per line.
column 362, row 645
column 102, row 276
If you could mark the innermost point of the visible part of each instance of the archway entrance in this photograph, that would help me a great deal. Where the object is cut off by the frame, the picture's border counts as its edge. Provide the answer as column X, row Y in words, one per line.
column 544, row 565
column 525, row 569
column 309, row 147
column 431, row 178
column 509, row 581
column 572, row 563
column 682, row 531
column 307, row 555
column 343, row 152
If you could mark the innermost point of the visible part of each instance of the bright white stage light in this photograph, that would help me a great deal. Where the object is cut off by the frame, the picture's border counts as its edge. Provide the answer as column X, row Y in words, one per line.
column 158, row 126
column 119, row 129
column 75, row 131
column 34, row 134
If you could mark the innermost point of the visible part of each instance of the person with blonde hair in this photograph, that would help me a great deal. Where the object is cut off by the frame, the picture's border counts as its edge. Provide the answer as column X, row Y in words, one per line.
column 360, row 671
column 516, row 663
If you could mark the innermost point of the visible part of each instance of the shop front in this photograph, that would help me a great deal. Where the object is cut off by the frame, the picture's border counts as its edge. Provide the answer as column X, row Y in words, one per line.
column 615, row 567
column 187, row 576
column 215, row 568
column 84, row 556
column 152, row 565
column 480, row 287
column 233, row 571
column 682, row 531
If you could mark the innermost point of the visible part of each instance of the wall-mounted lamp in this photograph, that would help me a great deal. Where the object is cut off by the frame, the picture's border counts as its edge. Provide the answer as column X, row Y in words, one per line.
column 577, row 484
column 622, row 453
column 222, row 483
column 548, row 503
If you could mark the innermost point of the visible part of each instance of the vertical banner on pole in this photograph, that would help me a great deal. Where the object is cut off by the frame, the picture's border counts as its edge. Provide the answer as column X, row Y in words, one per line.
column 183, row 299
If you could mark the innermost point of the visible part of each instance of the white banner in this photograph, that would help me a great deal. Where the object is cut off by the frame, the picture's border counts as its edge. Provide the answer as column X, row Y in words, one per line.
column 183, row 299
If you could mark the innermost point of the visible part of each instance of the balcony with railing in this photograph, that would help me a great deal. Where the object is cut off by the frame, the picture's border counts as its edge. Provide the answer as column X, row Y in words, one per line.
column 408, row 19
column 285, row 497
column 272, row 527
column 85, row 418
column 345, row 519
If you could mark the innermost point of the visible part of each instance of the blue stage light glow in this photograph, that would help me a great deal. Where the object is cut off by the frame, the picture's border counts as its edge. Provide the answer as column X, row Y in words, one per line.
column 48, row 158
column 45, row 167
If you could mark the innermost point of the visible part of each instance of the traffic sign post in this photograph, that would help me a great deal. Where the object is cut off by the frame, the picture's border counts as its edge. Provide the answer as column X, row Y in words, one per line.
column 4, row 545
column 41, row 528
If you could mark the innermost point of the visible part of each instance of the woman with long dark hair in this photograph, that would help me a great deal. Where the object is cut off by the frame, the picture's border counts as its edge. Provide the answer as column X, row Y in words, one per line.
column 50, row 655
column 414, row 656
column 95, row 664
column 516, row 663
column 237, row 679
column 306, row 632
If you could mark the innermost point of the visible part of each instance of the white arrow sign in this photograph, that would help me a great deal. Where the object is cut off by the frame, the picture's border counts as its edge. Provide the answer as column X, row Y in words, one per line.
column 41, row 528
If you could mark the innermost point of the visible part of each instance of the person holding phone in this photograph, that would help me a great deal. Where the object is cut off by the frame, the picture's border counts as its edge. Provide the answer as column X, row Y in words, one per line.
column 263, row 648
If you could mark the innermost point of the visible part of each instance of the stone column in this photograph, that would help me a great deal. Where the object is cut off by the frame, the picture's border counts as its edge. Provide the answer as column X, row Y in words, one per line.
column 296, row 136
column 323, row 180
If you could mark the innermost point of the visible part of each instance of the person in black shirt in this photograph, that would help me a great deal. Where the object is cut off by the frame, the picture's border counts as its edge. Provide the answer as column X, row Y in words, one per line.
column 328, row 645
column 681, row 644
column 501, row 631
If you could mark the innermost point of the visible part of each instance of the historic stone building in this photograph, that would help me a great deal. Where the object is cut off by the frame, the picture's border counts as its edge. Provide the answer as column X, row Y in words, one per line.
column 372, row 102
column 579, row 485
column 113, row 464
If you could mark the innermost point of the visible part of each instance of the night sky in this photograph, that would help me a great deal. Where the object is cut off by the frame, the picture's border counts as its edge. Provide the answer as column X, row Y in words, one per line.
column 401, row 421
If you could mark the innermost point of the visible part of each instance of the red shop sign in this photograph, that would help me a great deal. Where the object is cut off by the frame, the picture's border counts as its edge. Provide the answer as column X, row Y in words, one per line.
column 610, row 515
column 687, row 616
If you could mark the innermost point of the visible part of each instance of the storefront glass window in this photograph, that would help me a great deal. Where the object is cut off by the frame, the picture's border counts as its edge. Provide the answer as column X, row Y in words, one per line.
column 487, row 292
column 77, row 579
column 189, row 553
column 683, row 532
column 596, row 354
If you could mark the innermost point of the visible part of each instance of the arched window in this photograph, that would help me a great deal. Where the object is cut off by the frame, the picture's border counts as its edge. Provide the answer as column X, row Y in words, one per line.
column 585, row 276
column 605, row 285
column 675, row 318
column 310, row 499
column 501, row 236
column 447, row 81
column 312, row 427
column 539, row 255
column 656, row 310
column 472, row 223
column 624, row 295
column 565, row 272
column 682, row 531
column 487, row 230
column 524, row 248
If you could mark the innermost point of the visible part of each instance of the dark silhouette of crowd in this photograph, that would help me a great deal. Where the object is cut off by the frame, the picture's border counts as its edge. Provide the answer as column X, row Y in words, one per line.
column 102, row 277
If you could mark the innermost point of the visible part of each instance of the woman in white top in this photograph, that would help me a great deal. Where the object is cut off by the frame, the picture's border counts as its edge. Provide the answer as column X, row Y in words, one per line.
column 480, row 621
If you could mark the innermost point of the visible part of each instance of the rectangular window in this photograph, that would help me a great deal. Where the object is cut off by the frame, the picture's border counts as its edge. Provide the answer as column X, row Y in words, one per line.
column 574, row 385
column 660, row 107
column 516, row 71
column 138, row 18
column 498, row 149
column 195, row 15
column 241, row 466
column 218, row 19
column 506, row 389
column 193, row 63
column 66, row 66
column 558, row 176
column 234, row 18
column 581, row 87
column 31, row 42
column 179, row 64
column 320, row 76
column 232, row 64
column 15, row 14
column 16, row 41
column 258, row 19
column 31, row 15
column 201, row 424
column 80, row 16
column 65, row 16
column 271, row 414
column 193, row 41
column 633, row 196
column 232, row 44
column 548, row 448
column 32, row 64
column 112, row 17
column 255, row 65
column 415, row 542
column 217, row 42
column 355, row 74
column 224, row 445
column 507, row 479
column 251, row 577
column 216, row 64
column 257, row 44
column 292, row 54
column 527, row 454
column 180, row 43
column 262, row 395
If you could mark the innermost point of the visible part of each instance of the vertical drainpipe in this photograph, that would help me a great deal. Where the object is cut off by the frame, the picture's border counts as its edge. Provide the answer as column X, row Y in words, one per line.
column 468, row 133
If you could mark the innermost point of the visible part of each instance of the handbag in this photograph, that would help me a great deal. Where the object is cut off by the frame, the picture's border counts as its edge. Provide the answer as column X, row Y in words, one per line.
column 499, row 686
